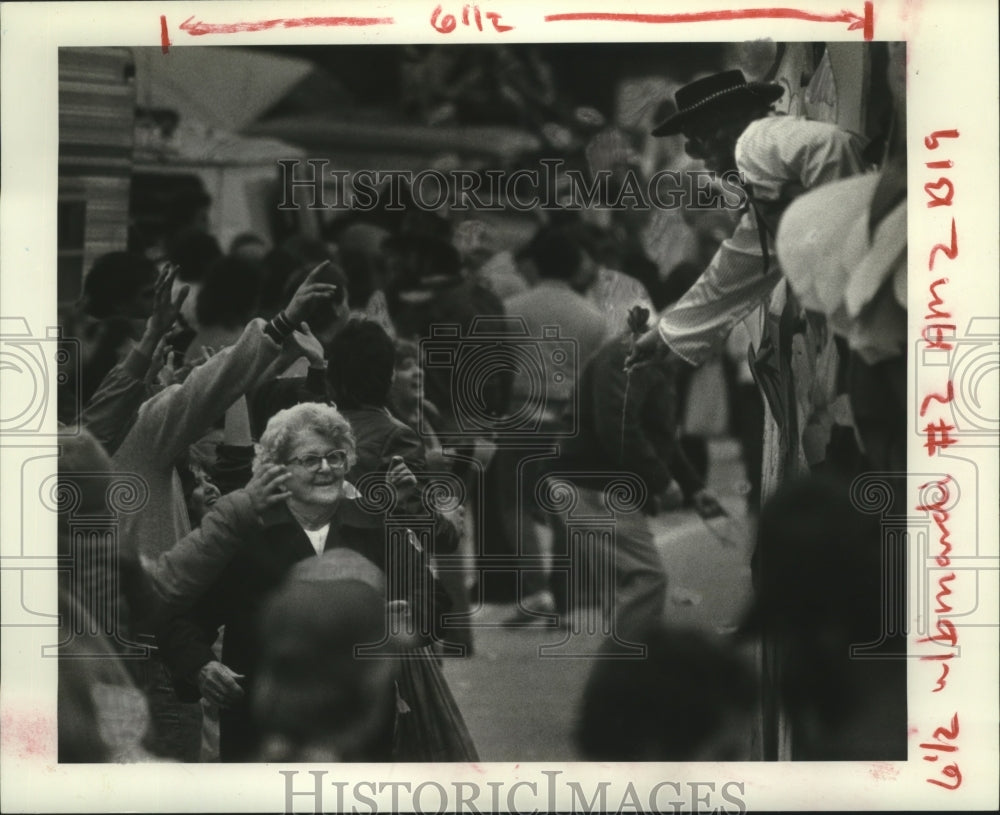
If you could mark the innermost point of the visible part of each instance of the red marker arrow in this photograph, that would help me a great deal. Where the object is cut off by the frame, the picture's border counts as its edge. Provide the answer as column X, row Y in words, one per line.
column 855, row 21
column 199, row 29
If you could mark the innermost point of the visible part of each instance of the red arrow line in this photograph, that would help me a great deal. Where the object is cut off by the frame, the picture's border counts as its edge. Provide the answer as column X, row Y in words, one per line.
column 164, row 35
column 198, row 29
column 867, row 22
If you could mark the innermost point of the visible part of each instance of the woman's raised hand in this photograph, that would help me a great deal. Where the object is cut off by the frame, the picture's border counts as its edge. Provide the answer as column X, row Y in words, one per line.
column 266, row 488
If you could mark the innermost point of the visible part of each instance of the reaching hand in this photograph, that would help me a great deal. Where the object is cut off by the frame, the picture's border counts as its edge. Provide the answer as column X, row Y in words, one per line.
column 309, row 293
column 645, row 350
column 220, row 684
column 400, row 476
column 174, row 369
column 303, row 343
column 266, row 488
column 165, row 307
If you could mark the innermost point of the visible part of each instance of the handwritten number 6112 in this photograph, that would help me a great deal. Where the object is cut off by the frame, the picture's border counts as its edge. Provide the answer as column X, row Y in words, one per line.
column 471, row 16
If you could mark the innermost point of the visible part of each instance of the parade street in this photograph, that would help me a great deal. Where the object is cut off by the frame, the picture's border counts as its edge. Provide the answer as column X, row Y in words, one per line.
column 521, row 707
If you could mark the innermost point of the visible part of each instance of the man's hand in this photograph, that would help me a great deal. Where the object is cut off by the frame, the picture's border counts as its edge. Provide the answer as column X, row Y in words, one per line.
column 401, row 478
column 645, row 350
column 266, row 488
column 310, row 292
column 219, row 684
column 707, row 505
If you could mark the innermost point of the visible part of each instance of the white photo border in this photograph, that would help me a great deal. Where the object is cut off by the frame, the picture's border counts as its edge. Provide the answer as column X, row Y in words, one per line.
column 952, row 86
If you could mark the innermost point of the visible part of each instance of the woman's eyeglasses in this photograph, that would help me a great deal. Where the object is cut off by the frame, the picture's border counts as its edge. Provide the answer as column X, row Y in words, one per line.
column 335, row 458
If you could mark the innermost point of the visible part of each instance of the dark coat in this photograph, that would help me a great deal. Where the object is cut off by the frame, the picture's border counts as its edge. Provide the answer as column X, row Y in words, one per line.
column 236, row 598
column 379, row 436
column 629, row 426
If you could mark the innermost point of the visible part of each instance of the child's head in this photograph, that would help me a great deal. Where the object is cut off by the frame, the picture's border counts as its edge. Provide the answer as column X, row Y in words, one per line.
column 407, row 385
column 688, row 699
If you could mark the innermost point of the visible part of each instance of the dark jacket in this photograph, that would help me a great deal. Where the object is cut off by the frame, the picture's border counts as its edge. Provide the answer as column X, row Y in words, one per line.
column 270, row 549
column 634, row 433
column 379, row 436
column 284, row 392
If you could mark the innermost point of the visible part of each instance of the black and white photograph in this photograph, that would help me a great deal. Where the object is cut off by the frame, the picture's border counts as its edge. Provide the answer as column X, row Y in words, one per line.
column 487, row 408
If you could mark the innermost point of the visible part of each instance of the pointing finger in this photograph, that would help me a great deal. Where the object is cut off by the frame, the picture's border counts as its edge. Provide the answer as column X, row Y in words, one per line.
column 313, row 274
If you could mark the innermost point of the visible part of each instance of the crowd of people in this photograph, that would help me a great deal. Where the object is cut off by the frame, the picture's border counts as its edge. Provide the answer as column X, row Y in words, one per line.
column 291, row 429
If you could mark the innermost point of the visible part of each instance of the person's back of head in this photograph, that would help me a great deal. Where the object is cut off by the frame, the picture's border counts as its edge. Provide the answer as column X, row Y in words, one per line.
column 229, row 293
column 361, row 365
column 104, row 575
column 96, row 690
column 819, row 570
column 810, row 534
column 557, row 254
column 249, row 246
column 187, row 211
column 315, row 697
column 688, row 699
column 194, row 253
column 119, row 284
column 360, row 246
column 600, row 243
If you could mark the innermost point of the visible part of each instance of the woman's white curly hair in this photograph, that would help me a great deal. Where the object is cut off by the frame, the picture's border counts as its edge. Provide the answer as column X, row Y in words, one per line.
column 284, row 427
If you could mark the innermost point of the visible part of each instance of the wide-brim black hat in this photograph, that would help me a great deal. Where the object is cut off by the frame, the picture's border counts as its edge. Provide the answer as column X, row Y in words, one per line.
column 714, row 92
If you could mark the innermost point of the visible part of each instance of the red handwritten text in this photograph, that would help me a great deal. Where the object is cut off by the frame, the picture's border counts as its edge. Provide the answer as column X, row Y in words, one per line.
column 942, row 745
column 196, row 28
column 855, row 21
column 164, row 35
column 940, row 192
column 471, row 17
column 938, row 436
column 947, row 633
column 935, row 312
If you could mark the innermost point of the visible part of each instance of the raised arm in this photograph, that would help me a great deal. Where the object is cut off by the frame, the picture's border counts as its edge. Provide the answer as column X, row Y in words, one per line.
column 180, row 575
column 179, row 415
column 113, row 407
column 733, row 285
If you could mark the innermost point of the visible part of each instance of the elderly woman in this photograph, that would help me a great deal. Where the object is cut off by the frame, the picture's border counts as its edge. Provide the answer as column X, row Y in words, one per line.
column 312, row 446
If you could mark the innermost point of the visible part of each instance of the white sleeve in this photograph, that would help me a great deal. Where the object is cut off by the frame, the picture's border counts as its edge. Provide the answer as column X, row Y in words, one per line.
column 733, row 285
